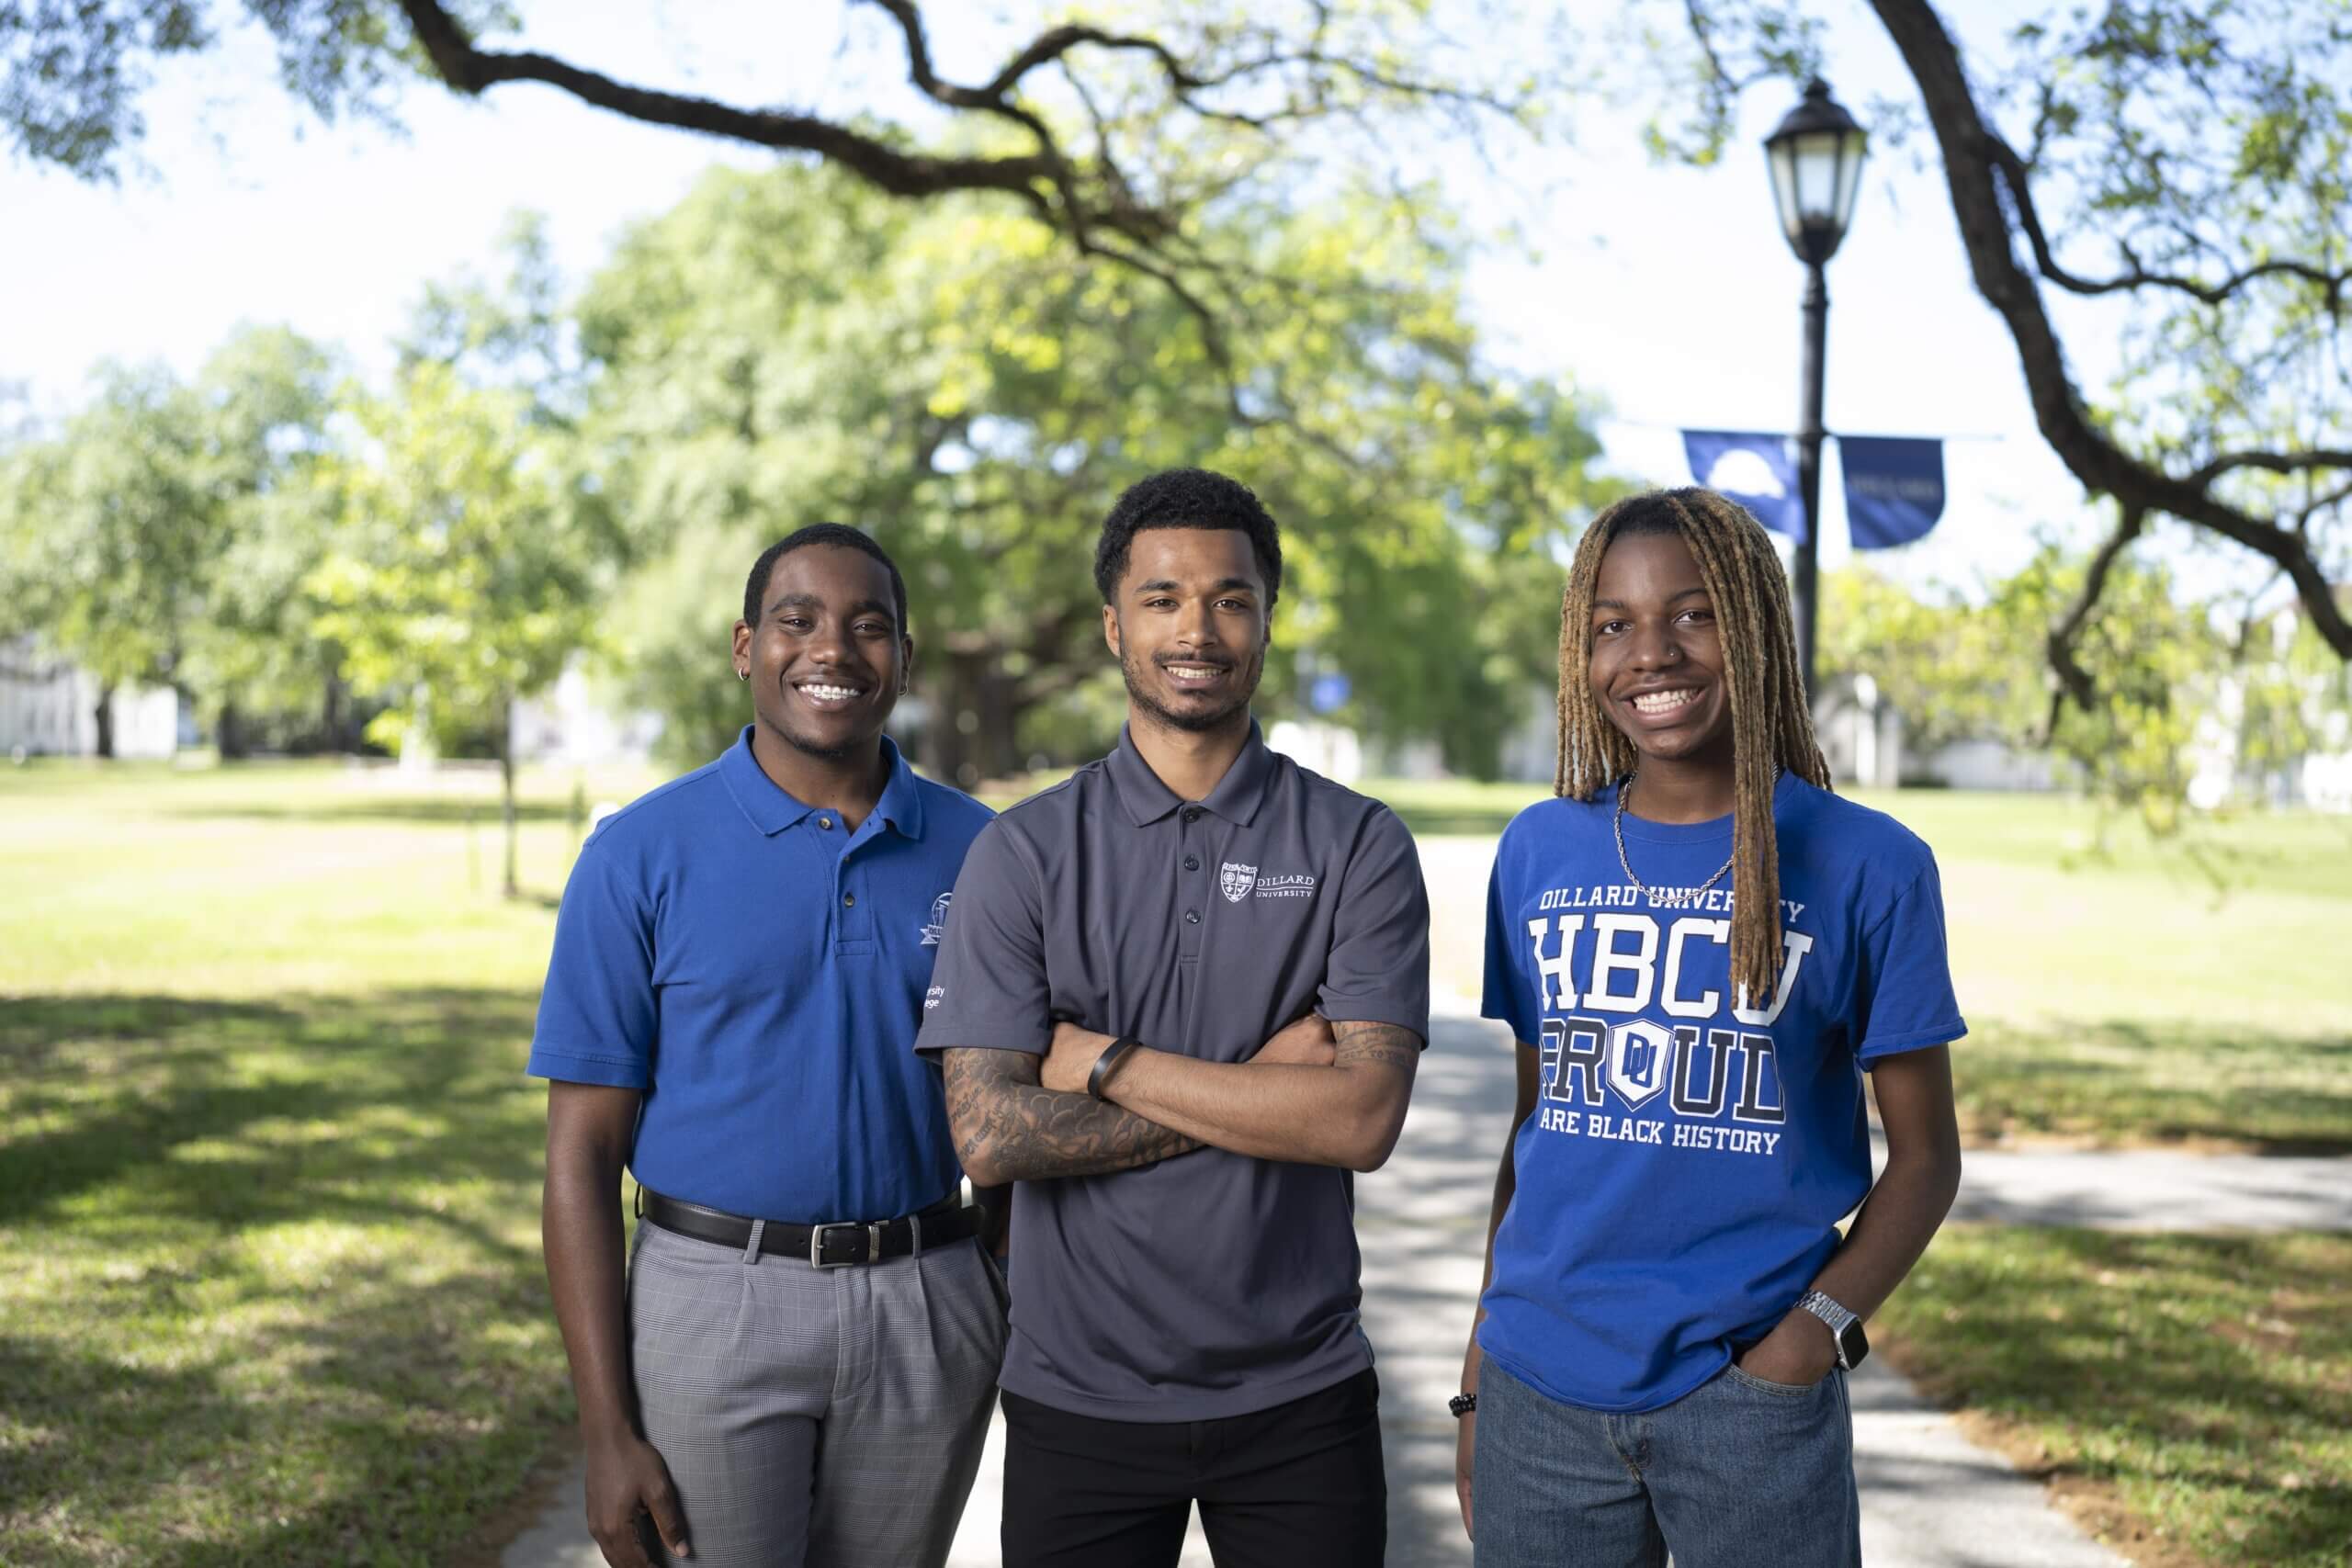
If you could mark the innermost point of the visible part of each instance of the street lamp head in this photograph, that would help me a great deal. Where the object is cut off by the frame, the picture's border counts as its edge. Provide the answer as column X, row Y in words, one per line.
column 1816, row 153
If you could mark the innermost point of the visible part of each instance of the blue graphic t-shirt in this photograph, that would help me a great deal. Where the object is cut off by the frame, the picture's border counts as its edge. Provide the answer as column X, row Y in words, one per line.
column 1688, row 1160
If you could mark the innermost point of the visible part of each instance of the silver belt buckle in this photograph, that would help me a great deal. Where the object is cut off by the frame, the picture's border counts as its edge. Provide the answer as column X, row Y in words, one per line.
column 817, row 1243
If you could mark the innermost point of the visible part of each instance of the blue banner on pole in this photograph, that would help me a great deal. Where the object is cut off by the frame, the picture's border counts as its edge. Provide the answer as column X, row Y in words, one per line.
column 1755, row 469
column 1894, row 487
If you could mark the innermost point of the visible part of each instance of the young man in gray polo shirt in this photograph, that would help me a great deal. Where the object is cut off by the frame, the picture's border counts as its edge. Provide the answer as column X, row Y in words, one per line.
column 1181, row 999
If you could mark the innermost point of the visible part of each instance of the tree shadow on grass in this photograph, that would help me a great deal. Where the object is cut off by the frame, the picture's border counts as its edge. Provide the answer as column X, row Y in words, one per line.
column 259, row 1111
column 2125, row 1081
column 317, row 1212
column 2115, row 1338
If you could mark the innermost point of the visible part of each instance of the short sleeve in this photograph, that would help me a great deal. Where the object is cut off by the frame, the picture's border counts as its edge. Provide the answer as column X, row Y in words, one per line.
column 1903, row 997
column 988, row 988
column 1378, row 971
column 597, row 1015
column 1507, row 994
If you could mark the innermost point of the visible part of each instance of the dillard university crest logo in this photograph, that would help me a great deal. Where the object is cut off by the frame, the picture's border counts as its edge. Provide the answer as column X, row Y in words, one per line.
column 938, row 926
column 1237, row 880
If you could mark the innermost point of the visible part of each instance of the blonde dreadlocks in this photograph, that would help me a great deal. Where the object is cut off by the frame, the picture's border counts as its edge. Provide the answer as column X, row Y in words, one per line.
column 1771, row 726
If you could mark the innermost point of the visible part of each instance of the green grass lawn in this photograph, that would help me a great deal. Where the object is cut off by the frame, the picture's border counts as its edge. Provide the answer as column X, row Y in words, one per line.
column 268, row 1166
column 269, row 1169
column 2192, row 1395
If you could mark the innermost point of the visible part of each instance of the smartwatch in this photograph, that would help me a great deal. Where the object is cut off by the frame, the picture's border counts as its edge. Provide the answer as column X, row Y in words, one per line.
column 1844, row 1326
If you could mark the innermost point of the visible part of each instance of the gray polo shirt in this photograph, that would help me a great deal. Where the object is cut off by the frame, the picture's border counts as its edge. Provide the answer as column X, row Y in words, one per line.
column 1211, row 1284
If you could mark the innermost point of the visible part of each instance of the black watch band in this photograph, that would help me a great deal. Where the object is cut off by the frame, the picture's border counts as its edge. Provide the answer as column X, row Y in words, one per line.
column 1112, row 1056
column 1462, row 1404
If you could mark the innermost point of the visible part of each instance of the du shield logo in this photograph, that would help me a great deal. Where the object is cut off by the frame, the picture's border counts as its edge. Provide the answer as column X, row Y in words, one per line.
column 938, row 926
column 1237, row 880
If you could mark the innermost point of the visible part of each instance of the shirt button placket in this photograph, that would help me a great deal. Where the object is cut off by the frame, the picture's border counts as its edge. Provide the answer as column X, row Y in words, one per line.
column 1191, row 895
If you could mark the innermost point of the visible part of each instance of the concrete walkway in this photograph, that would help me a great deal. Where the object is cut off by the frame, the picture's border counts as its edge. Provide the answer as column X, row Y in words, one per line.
column 1930, row 1499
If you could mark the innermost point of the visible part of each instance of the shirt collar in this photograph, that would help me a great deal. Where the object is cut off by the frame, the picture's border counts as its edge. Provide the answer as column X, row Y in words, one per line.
column 770, row 808
column 1234, row 798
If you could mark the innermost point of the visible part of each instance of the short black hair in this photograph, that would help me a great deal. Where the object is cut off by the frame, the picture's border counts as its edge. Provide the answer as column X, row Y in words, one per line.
column 1187, row 497
column 820, row 534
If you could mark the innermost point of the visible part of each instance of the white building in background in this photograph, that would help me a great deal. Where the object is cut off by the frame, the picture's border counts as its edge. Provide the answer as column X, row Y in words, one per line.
column 567, row 723
column 49, row 707
column 1331, row 750
column 1862, row 737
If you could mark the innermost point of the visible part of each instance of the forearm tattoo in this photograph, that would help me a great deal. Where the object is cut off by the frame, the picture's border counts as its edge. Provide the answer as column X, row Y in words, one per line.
column 1027, row 1133
column 1359, row 1044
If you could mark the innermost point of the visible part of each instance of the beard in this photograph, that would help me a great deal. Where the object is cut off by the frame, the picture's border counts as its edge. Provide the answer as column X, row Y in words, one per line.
column 808, row 747
column 1196, row 720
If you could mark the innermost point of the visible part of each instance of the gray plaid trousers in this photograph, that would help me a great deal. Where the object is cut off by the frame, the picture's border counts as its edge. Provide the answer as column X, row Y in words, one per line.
column 831, row 1418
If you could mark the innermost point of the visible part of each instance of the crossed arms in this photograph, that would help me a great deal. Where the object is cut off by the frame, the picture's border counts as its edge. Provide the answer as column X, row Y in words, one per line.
column 1318, row 1093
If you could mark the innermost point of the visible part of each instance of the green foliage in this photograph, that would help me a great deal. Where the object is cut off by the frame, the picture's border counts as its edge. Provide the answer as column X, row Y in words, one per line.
column 161, row 534
column 2198, row 140
column 461, row 574
column 72, row 75
column 1958, row 670
column 784, row 348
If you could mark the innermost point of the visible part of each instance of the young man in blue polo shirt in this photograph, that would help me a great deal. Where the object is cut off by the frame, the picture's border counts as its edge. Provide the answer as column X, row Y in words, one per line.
column 1182, row 1000
column 800, row 1365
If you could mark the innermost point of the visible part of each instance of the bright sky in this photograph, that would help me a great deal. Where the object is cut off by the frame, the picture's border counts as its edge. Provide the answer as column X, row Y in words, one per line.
column 1667, row 291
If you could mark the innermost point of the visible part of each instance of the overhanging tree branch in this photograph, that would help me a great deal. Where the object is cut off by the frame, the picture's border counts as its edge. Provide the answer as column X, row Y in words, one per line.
column 474, row 70
column 1981, row 172
column 2074, row 680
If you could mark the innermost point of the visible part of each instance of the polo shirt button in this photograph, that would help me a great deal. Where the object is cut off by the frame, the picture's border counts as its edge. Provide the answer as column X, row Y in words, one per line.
column 824, row 822
column 1191, row 916
column 1192, row 862
column 1191, row 813
column 850, row 899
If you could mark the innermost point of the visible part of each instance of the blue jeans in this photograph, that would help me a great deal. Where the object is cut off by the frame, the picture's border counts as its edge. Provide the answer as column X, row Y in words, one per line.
column 1737, row 1471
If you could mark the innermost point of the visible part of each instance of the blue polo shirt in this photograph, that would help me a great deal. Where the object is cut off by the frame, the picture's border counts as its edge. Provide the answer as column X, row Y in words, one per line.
column 758, row 970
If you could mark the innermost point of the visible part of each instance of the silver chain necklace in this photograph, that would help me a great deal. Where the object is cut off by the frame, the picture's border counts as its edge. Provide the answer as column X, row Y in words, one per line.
column 1668, row 900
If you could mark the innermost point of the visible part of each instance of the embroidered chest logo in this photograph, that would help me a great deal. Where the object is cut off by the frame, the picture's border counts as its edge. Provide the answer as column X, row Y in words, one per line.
column 938, row 926
column 1239, row 882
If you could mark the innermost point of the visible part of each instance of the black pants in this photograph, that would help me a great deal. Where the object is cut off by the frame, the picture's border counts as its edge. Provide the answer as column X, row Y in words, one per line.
column 1300, row 1485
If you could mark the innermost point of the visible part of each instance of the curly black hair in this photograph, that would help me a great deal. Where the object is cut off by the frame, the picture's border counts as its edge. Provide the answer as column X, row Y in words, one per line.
column 839, row 533
column 1187, row 497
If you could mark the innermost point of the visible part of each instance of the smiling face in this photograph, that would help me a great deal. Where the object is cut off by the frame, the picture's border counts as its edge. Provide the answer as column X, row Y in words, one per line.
column 828, row 660
column 1189, row 625
column 1657, row 666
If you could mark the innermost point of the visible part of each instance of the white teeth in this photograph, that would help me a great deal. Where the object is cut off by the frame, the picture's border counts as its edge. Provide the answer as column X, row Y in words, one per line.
column 1664, row 702
column 1192, row 671
column 830, row 693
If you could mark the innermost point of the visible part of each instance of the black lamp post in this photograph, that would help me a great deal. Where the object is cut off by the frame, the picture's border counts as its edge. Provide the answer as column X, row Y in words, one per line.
column 1816, row 159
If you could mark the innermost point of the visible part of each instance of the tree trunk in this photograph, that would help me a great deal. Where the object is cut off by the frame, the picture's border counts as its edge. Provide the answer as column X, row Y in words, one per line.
column 506, row 786
column 231, row 736
column 973, row 733
column 106, row 721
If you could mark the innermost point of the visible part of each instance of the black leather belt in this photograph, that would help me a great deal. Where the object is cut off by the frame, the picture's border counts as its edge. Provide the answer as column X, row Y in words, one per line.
column 822, row 1247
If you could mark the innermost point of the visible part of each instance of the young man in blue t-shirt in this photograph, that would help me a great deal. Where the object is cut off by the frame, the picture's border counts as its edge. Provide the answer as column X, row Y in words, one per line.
column 799, row 1363
column 1701, row 951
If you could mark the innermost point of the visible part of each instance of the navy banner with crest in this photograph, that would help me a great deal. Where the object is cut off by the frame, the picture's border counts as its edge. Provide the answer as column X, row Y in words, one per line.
column 1756, row 468
column 1894, row 484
